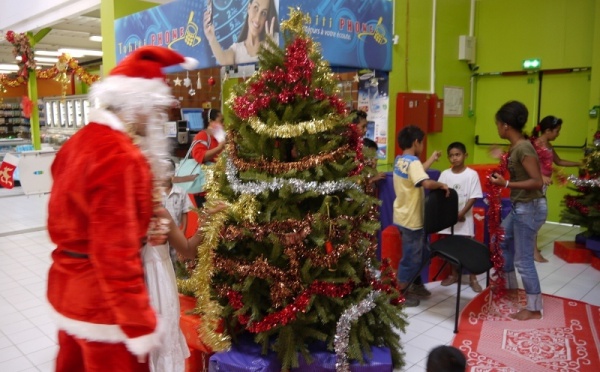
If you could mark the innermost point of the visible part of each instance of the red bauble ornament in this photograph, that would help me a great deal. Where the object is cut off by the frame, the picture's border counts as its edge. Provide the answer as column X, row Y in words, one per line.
column 10, row 36
column 211, row 81
column 328, row 247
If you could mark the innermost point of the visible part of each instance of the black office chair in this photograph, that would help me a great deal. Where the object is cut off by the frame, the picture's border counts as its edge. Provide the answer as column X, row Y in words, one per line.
column 442, row 212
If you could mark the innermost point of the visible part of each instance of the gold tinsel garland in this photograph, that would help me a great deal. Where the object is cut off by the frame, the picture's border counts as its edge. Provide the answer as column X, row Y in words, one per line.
column 278, row 167
column 245, row 208
column 290, row 130
column 64, row 63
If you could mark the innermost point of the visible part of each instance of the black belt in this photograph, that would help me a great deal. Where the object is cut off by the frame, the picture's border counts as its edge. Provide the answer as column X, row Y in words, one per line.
column 75, row 254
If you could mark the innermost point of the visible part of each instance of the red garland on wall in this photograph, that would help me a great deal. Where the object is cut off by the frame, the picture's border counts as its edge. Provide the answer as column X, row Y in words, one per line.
column 496, row 230
column 22, row 48
column 26, row 106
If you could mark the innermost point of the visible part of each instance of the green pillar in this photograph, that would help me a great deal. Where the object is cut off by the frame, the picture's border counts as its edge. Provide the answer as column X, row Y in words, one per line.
column 34, row 119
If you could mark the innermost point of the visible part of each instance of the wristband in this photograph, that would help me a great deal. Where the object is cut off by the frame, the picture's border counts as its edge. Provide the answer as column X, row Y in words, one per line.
column 506, row 186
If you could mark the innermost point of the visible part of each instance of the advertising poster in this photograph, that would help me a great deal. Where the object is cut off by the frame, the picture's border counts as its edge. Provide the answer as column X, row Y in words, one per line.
column 352, row 33
column 215, row 32
column 373, row 98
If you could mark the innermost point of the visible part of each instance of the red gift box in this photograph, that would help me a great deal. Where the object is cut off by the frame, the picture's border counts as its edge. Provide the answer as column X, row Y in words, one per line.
column 189, row 323
column 572, row 252
column 391, row 246
column 596, row 263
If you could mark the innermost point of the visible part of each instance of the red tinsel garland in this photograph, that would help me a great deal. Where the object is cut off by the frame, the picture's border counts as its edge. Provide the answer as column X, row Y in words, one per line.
column 356, row 144
column 296, row 77
column 572, row 203
column 388, row 282
column 288, row 313
column 544, row 158
column 496, row 230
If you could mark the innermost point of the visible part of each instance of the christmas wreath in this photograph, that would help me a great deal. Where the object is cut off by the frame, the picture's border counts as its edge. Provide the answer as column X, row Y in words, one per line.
column 22, row 47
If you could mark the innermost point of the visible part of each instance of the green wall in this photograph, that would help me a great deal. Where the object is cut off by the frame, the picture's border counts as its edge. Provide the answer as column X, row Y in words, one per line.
column 412, row 65
column 563, row 33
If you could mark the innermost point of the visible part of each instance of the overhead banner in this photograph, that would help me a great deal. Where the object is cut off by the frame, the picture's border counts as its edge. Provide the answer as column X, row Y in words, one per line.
column 353, row 33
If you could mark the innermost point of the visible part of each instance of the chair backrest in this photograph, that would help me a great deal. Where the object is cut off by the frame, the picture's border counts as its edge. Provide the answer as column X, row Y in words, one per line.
column 441, row 211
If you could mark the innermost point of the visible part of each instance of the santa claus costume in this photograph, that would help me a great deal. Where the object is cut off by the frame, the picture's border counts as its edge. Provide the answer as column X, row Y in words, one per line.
column 99, row 212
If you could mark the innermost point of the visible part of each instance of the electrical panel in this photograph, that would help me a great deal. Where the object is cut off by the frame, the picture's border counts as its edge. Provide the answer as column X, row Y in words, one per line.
column 436, row 114
column 466, row 48
column 412, row 109
column 424, row 110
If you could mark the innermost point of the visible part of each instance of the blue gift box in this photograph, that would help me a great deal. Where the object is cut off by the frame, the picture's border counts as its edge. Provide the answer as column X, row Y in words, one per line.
column 580, row 238
column 324, row 361
column 245, row 356
column 593, row 244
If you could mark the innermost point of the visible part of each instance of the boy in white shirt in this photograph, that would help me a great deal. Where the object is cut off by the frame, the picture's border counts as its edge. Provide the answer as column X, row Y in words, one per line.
column 466, row 183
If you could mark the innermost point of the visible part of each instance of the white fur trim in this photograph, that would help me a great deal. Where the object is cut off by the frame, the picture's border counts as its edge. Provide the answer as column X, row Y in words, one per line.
column 104, row 117
column 123, row 91
column 190, row 63
column 110, row 333
column 144, row 344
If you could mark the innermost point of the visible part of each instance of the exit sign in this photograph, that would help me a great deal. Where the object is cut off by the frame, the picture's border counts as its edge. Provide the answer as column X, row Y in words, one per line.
column 532, row 64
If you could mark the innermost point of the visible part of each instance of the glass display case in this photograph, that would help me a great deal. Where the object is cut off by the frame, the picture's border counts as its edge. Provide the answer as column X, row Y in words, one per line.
column 64, row 117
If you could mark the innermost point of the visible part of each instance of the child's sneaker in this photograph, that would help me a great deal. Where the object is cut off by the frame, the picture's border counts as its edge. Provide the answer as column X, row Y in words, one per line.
column 419, row 291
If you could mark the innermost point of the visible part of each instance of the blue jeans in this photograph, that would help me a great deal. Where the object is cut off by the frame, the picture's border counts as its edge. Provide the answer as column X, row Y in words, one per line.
column 414, row 252
column 520, row 231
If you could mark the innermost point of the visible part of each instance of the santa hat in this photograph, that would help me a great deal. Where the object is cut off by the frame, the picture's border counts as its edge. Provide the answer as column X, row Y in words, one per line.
column 139, row 80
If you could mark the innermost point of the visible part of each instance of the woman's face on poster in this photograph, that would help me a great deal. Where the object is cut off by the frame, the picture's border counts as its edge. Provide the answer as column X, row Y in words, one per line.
column 258, row 11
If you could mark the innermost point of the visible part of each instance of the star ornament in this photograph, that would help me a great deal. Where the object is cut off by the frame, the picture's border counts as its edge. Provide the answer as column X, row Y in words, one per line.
column 177, row 82
column 296, row 21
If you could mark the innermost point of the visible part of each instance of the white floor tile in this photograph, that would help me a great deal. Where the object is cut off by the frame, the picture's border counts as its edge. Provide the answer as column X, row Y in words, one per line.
column 8, row 353
column 414, row 354
column 34, row 345
column 47, row 367
column 18, row 364
column 26, row 335
column 16, row 327
column 44, row 355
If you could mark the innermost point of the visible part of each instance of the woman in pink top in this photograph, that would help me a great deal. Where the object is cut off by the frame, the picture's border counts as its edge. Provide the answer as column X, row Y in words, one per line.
column 546, row 131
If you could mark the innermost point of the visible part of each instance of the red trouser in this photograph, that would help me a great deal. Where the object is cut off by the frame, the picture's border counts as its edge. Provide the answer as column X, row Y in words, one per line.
column 79, row 355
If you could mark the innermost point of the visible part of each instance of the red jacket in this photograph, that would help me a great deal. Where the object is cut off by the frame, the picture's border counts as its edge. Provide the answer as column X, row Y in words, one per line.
column 204, row 145
column 98, row 214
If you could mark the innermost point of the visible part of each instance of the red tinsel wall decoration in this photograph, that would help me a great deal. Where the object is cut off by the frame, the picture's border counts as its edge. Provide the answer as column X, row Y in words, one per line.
column 26, row 106
column 496, row 231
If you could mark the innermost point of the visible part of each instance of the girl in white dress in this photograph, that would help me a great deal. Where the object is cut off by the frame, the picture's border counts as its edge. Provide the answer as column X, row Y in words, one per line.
column 162, row 287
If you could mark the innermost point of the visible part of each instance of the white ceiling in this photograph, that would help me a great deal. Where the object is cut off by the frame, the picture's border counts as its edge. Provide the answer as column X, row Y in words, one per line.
column 71, row 31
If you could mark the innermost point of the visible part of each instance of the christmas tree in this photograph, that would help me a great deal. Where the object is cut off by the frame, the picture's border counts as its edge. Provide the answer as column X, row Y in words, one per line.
column 583, row 208
column 292, row 260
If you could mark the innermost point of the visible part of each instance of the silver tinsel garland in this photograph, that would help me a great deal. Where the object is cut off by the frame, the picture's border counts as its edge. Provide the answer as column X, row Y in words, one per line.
column 344, row 324
column 578, row 182
column 298, row 186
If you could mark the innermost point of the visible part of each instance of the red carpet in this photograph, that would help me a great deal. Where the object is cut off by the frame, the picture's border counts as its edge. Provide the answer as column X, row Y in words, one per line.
column 565, row 339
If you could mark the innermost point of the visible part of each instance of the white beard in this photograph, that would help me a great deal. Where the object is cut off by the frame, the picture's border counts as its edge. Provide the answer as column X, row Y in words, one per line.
column 155, row 146
column 219, row 134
